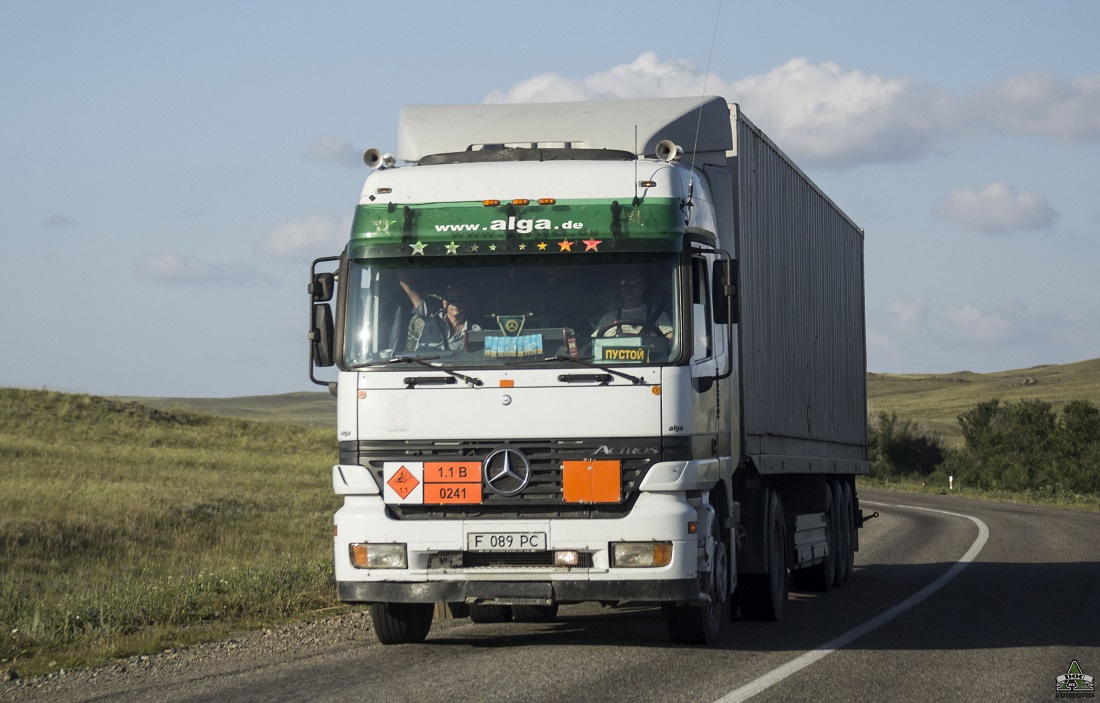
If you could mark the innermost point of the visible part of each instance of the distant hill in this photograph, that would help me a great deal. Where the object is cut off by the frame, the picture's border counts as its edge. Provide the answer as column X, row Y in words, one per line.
column 935, row 401
column 303, row 408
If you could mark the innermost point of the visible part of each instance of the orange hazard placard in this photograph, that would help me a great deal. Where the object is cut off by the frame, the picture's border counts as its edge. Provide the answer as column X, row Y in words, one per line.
column 403, row 482
column 452, row 493
column 590, row 481
column 452, row 472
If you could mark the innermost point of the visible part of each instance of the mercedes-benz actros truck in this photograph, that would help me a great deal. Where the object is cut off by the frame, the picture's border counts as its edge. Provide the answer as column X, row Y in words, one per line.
column 603, row 351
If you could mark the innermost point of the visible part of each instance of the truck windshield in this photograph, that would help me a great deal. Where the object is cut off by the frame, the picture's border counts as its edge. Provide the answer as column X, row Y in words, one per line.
column 493, row 311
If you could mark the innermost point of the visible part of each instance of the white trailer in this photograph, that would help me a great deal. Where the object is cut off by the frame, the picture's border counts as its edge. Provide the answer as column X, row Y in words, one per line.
column 607, row 351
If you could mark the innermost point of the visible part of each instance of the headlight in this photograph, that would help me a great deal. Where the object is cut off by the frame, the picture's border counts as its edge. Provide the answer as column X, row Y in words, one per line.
column 378, row 556
column 641, row 554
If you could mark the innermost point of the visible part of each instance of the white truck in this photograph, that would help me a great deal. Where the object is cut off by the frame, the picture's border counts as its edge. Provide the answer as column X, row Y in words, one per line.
column 606, row 351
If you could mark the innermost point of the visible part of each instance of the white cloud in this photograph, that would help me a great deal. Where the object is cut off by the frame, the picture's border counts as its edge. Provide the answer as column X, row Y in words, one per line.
column 824, row 114
column 334, row 150
column 969, row 324
column 173, row 267
column 1038, row 104
column 997, row 208
column 907, row 315
column 306, row 238
column 646, row 77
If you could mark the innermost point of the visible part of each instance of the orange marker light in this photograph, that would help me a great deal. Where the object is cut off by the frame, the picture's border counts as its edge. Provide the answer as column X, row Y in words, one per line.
column 490, row 203
column 662, row 554
column 547, row 201
column 521, row 201
column 507, row 383
column 655, row 390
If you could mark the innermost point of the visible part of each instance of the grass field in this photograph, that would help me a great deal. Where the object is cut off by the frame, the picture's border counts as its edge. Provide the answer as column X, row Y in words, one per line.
column 125, row 529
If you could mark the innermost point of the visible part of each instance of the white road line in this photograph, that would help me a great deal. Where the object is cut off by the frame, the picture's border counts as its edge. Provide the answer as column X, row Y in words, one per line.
column 776, row 675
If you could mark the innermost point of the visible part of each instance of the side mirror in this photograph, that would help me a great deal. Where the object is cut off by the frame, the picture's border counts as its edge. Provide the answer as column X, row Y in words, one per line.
column 322, row 334
column 725, row 280
column 322, row 287
column 322, row 325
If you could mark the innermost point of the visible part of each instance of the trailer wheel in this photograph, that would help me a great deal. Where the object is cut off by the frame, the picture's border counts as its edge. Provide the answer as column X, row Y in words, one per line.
column 846, row 560
column 762, row 596
column 490, row 612
column 820, row 577
column 535, row 613
column 401, row 623
column 702, row 624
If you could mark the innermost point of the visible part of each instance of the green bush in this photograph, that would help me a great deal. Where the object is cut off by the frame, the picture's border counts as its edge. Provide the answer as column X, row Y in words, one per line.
column 1027, row 446
column 897, row 447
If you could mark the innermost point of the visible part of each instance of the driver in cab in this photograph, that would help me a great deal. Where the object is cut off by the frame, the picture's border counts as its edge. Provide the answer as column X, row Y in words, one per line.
column 628, row 318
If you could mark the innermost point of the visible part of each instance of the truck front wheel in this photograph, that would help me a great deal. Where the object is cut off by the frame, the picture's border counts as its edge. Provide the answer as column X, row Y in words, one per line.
column 401, row 623
column 701, row 624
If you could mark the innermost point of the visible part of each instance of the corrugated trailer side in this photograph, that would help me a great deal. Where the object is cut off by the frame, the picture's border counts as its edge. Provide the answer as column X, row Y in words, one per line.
column 801, row 334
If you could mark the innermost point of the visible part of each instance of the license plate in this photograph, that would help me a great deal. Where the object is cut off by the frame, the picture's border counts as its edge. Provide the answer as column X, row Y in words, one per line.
column 506, row 542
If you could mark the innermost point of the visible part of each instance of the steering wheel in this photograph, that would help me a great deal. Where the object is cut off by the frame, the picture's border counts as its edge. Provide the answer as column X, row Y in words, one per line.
column 633, row 322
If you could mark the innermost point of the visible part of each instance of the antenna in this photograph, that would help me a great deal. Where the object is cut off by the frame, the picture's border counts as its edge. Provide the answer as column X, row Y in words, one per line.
column 702, row 98
column 635, row 165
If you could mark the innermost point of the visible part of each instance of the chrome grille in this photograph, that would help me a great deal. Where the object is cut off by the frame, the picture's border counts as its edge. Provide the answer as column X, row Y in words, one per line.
column 542, row 497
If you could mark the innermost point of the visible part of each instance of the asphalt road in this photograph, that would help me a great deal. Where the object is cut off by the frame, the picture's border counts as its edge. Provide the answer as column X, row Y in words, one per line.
column 914, row 624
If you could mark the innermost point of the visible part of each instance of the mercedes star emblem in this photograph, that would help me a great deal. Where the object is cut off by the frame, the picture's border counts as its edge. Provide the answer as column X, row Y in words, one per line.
column 507, row 471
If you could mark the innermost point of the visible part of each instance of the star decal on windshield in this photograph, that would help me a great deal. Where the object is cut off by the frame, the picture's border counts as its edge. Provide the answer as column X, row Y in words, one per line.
column 566, row 245
column 418, row 248
column 452, row 248
column 592, row 244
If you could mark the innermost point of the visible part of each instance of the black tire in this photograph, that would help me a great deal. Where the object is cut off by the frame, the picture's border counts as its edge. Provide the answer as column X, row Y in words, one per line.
column 847, row 534
column 820, row 577
column 489, row 613
column 401, row 623
column 702, row 624
column 535, row 613
column 762, row 596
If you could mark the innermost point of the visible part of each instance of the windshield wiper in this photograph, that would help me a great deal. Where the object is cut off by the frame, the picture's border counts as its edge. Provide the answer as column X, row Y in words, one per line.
column 423, row 361
column 580, row 362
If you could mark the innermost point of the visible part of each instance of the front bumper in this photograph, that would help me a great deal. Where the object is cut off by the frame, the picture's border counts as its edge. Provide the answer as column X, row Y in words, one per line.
column 518, row 592
column 428, row 578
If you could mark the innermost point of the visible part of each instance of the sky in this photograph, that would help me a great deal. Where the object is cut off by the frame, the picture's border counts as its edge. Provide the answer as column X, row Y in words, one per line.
column 169, row 170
